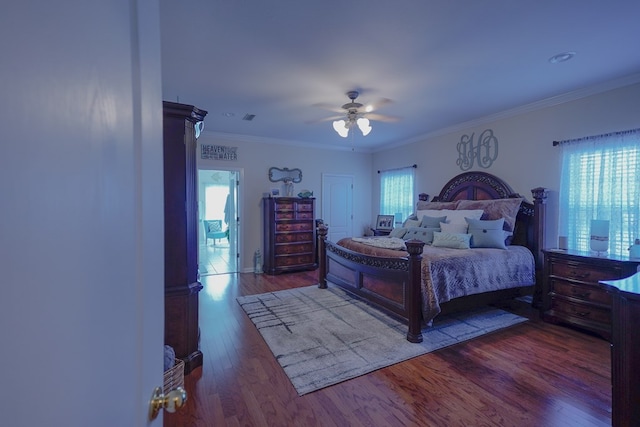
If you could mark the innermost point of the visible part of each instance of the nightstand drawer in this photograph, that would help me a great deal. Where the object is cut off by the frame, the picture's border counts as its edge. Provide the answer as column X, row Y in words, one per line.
column 585, row 293
column 582, row 272
column 584, row 312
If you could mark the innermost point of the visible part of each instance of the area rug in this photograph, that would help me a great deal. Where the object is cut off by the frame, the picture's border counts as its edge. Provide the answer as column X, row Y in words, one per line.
column 322, row 337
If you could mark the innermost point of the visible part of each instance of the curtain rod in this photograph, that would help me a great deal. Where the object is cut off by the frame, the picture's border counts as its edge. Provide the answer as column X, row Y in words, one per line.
column 397, row 169
column 604, row 135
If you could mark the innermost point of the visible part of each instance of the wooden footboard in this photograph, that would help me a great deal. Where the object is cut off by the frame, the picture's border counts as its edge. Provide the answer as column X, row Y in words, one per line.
column 392, row 284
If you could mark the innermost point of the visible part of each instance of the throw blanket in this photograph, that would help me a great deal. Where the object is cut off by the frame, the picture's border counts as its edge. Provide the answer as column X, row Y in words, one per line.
column 393, row 243
column 452, row 273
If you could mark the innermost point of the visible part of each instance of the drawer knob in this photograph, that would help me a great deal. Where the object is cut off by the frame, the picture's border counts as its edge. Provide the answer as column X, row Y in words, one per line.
column 583, row 313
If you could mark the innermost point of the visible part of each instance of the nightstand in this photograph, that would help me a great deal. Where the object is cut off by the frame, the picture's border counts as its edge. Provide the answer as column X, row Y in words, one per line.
column 571, row 293
column 380, row 232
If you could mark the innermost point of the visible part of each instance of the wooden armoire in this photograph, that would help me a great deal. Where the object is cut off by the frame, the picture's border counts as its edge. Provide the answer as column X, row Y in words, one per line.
column 181, row 285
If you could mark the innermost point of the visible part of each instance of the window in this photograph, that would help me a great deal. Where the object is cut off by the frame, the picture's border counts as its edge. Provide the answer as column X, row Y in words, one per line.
column 396, row 192
column 601, row 180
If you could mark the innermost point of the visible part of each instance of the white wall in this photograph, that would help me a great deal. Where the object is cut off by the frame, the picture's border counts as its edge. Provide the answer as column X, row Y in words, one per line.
column 255, row 159
column 526, row 157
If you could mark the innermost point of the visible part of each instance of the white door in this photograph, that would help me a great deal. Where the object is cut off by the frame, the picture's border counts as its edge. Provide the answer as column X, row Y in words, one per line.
column 337, row 205
column 81, row 229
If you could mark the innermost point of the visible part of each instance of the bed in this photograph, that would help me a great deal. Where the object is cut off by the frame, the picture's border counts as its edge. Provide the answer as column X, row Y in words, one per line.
column 421, row 281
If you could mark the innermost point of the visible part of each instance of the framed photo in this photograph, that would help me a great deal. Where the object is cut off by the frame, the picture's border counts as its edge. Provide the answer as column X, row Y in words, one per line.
column 385, row 222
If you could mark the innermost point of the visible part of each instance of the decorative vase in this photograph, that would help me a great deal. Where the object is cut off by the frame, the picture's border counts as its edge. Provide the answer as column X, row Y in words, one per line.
column 599, row 236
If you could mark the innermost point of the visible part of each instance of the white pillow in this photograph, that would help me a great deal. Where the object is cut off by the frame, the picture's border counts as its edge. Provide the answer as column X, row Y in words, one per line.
column 451, row 240
column 454, row 228
column 453, row 216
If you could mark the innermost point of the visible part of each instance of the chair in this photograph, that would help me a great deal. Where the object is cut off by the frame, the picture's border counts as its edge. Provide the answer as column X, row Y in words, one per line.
column 213, row 230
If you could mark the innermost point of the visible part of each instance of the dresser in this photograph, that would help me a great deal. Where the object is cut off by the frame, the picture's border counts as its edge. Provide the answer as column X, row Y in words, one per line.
column 181, row 286
column 289, row 234
column 625, row 351
column 571, row 293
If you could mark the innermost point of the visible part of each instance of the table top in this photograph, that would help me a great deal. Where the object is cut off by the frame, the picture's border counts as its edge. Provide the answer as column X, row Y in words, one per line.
column 592, row 254
column 629, row 285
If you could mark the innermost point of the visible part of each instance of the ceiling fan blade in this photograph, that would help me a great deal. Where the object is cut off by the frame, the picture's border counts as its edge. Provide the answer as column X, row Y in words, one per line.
column 326, row 119
column 381, row 117
column 377, row 104
column 329, row 107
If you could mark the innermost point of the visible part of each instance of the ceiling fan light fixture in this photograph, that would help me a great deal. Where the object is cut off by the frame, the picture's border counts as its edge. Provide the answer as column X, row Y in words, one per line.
column 364, row 126
column 340, row 126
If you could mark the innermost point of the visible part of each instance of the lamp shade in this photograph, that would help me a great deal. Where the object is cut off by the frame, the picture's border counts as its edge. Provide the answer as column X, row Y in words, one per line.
column 599, row 241
column 340, row 126
column 364, row 126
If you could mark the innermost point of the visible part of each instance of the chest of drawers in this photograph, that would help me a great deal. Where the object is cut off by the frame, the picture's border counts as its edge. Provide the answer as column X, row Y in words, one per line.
column 289, row 234
column 571, row 293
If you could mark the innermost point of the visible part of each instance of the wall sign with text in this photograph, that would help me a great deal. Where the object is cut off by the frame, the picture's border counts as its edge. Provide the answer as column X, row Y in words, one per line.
column 218, row 152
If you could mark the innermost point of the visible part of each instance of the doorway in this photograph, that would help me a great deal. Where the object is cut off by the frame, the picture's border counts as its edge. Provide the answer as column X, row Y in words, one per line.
column 218, row 251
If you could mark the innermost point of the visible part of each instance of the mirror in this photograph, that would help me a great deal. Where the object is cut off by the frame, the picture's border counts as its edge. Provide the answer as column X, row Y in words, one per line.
column 285, row 174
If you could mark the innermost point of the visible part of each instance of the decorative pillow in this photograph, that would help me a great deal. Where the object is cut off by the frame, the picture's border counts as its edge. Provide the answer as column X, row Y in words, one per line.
column 453, row 216
column 409, row 223
column 432, row 221
column 442, row 239
column 421, row 233
column 421, row 205
column 398, row 232
column 487, row 233
column 495, row 209
column 453, row 228
column 494, row 224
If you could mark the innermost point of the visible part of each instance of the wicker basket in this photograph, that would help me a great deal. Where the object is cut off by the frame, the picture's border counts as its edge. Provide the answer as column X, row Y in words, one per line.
column 174, row 377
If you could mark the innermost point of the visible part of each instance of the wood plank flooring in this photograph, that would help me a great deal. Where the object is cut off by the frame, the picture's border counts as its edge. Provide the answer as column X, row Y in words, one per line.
column 532, row 374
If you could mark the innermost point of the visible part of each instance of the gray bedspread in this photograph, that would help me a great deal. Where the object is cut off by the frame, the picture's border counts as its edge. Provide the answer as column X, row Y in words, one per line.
column 453, row 273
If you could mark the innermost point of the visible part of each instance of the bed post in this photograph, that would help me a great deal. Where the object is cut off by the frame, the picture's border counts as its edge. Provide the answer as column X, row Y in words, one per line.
column 414, row 297
column 322, row 256
column 539, row 238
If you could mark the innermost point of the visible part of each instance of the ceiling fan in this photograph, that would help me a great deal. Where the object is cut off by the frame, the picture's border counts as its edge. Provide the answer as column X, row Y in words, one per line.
column 357, row 114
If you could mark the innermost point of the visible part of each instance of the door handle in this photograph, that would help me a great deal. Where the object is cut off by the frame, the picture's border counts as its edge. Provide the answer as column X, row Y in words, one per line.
column 170, row 402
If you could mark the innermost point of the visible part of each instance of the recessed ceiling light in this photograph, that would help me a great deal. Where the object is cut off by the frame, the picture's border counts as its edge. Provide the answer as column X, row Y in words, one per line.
column 228, row 114
column 561, row 57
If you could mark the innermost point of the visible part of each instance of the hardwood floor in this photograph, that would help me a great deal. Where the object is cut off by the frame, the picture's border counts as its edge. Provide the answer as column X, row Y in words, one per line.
column 216, row 258
column 532, row 374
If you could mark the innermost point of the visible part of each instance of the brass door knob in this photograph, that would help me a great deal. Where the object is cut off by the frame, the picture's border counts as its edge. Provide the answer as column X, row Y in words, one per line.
column 170, row 402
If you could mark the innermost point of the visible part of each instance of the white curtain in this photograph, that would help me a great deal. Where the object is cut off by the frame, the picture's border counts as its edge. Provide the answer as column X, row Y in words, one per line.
column 396, row 192
column 601, row 180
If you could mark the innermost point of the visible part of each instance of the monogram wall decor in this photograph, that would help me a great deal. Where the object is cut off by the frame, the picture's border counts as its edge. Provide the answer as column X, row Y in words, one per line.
column 484, row 150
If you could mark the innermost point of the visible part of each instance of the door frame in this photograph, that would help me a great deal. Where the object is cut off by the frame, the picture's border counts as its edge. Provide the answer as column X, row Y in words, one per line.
column 239, row 205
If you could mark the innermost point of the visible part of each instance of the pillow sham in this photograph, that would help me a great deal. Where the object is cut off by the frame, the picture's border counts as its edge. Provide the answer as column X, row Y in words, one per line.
column 442, row 239
column 453, row 228
column 409, row 223
column 398, row 232
column 424, row 234
column 495, row 209
column 453, row 216
column 487, row 233
column 421, row 205
column 432, row 221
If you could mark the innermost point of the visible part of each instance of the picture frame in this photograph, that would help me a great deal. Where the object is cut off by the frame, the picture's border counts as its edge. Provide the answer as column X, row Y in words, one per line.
column 385, row 222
